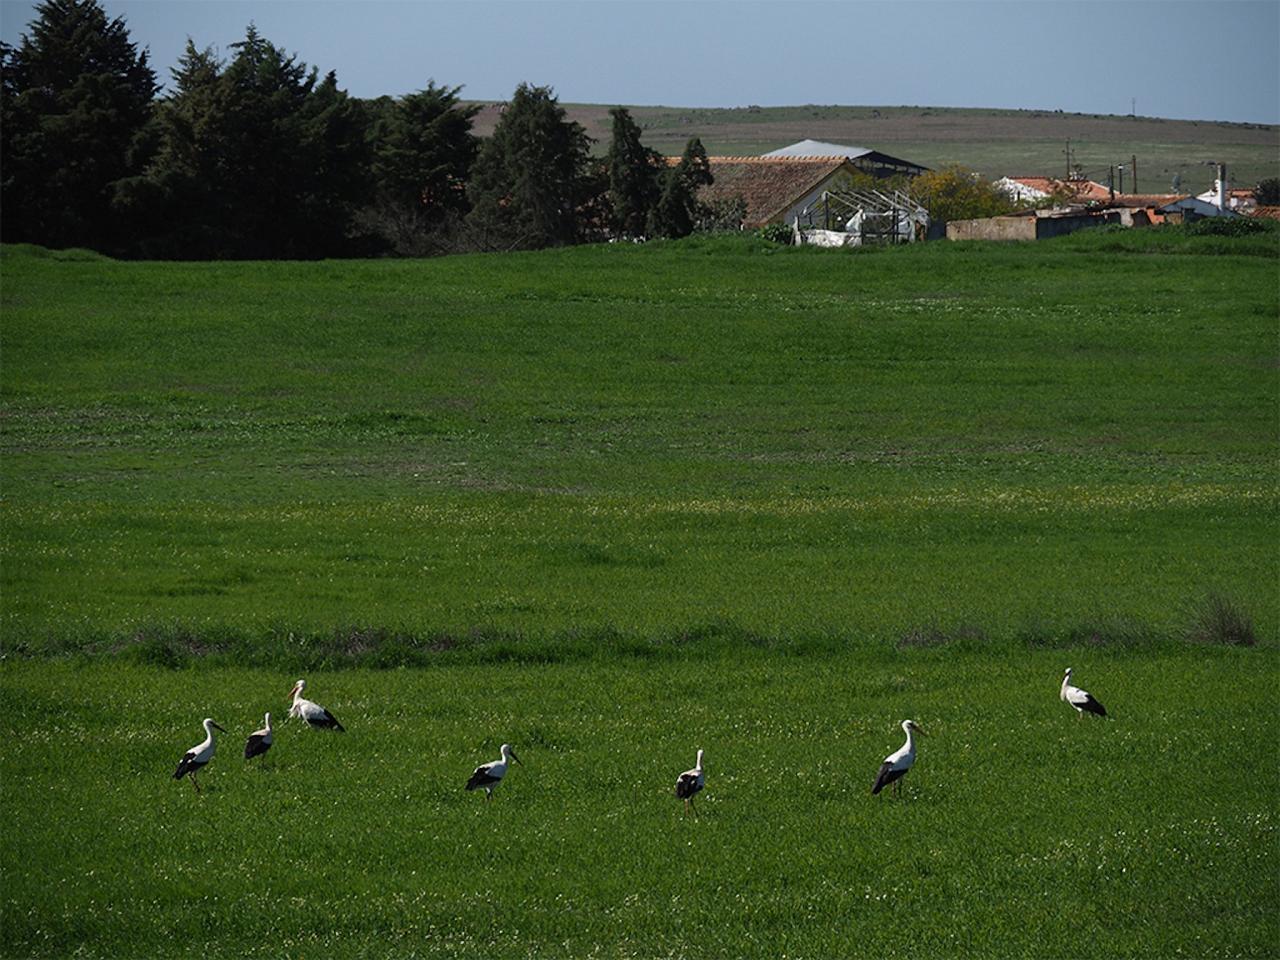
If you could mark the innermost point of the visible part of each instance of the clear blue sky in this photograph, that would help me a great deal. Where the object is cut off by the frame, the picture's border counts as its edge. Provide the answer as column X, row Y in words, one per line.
column 1202, row 59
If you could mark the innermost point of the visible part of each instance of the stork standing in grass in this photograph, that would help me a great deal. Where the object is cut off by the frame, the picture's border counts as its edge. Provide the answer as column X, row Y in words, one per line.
column 314, row 714
column 1082, row 700
column 689, row 783
column 195, row 759
column 489, row 775
column 897, row 764
column 259, row 741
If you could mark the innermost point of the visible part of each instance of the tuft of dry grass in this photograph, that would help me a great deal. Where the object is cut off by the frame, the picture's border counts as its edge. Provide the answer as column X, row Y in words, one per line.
column 933, row 635
column 1216, row 618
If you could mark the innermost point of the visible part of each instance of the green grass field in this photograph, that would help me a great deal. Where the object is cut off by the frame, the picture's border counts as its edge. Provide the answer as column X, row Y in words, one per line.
column 613, row 504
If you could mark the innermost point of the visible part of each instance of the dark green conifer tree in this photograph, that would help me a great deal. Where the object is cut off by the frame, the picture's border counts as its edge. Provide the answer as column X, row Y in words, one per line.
column 529, row 178
column 423, row 154
column 635, row 172
column 257, row 159
column 677, row 209
column 75, row 95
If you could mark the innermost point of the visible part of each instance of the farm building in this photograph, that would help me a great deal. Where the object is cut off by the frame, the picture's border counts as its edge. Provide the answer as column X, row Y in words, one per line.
column 873, row 162
column 1239, row 200
column 1041, row 224
column 775, row 189
column 1035, row 189
column 1173, row 204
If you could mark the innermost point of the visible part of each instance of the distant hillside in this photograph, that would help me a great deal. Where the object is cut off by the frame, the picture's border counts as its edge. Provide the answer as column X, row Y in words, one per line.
column 994, row 142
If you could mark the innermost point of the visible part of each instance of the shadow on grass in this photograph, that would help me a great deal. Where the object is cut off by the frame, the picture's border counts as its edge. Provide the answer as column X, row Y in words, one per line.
column 1213, row 619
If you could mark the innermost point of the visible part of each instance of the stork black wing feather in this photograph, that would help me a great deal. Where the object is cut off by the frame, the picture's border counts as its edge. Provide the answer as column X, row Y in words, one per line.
column 481, row 778
column 687, row 785
column 1093, row 706
column 185, row 765
column 886, row 776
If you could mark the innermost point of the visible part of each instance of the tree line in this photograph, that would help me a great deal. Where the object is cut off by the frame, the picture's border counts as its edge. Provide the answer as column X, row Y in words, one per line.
column 256, row 155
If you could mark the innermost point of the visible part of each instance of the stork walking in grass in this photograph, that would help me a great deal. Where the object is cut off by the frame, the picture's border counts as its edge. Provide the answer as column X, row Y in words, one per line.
column 259, row 741
column 1082, row 700
column 194, row 760
column 689, row 783
column 314, row 714
column 489, row 775
column 897, row 764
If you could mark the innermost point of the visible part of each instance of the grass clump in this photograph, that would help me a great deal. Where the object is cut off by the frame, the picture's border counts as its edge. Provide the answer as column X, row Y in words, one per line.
column 1217, row 619
column 933, row 635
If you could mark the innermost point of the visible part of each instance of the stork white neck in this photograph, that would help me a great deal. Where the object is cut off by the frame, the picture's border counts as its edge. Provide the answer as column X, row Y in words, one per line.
column 698, row 765
column 208, row 733
column 910, row 732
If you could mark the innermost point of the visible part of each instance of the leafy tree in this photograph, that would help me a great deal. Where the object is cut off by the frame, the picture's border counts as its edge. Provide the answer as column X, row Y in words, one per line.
column 256, row 159
column 423, row 153
column 75, row 95
column 1267, row 192
column 529, row 178
column 956, row 193
column 677, row 211
column 634, row 174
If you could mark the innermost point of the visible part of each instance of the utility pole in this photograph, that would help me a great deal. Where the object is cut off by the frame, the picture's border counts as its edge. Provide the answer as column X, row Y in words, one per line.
column 1121, row 169
column 1111, row 182
column 1134, row 160
column 1068, row 153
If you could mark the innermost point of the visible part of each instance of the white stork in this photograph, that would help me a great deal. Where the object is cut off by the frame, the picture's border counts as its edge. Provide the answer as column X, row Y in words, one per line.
column 897, row 764
column 489, row 775
column 1082, row 700
column 195, row 759
column 259, row 741
column 689, row 783
column 314, row 714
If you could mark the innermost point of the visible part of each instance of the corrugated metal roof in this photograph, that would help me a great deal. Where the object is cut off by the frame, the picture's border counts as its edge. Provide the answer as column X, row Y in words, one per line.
column 817, row 148
column 820, row 148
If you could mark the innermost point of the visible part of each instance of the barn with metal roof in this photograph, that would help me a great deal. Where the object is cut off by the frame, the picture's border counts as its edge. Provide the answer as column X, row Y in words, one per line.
column 868, row 161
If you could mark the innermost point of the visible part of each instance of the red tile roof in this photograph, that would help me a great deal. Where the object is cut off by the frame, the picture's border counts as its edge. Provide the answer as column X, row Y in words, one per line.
column 1081, row 189
column 768, row 184
column 1149, row 199
column 1268, row 213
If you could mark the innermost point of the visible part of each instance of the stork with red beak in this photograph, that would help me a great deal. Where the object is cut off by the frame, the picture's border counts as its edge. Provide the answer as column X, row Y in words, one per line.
column 314, row 714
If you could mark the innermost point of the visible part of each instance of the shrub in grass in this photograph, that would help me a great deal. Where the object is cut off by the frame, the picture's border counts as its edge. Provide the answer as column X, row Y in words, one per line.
column 1216, row 619
column 775, row 233
column 1229, row 227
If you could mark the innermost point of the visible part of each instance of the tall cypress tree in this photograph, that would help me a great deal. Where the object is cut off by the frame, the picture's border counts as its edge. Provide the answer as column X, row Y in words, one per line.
column 76, row 93
column 530, row 176
column 634, row 172
column 677, row 207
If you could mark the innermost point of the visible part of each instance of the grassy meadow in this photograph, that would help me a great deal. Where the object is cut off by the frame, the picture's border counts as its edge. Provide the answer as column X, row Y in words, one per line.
column 612, row 504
